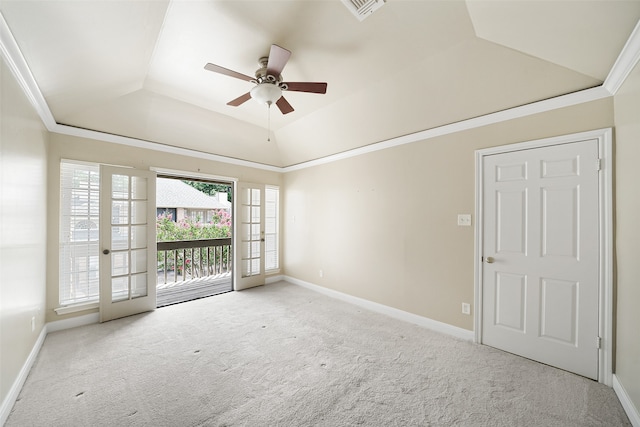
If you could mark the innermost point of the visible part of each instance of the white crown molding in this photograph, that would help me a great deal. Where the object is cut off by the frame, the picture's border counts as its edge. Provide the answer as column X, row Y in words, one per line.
column 15, row 61
column 155, row 146
column 627, row 59
column 568, row 100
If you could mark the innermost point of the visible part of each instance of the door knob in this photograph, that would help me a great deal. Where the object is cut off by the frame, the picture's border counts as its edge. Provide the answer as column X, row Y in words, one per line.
column 106, row 251
column 490, row 260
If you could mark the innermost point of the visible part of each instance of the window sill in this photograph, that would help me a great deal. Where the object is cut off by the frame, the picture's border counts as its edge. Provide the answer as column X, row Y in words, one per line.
column 76, row 308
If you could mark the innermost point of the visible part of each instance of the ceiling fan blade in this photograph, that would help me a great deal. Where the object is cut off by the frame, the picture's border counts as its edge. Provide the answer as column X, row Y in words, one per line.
column 278, row 57
column 227, row 72
column 284, row 105
column 240, row 100
column 307, row 87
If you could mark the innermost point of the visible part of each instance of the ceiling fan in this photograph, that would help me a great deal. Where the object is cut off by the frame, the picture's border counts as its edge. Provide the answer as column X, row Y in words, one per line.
column 268, row 81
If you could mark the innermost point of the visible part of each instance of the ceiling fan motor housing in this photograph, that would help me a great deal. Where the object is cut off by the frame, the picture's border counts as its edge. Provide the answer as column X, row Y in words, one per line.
column 262, row 75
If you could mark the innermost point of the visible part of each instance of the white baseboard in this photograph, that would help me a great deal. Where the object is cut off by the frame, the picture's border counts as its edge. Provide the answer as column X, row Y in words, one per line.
column 627, row 404
column 73, row 322
column 389, row 311
column 274, row 279
column 58, row 325
column 10, row 399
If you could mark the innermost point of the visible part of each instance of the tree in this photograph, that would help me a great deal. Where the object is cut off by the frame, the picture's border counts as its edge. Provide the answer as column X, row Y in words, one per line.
column 211, row 188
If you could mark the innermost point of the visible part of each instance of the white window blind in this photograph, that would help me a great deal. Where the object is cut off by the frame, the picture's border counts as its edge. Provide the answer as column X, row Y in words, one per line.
column 271, row 207
column 79, row 232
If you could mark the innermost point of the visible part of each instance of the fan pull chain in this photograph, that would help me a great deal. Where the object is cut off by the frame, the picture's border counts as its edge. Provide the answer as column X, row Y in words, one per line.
column 269, row 122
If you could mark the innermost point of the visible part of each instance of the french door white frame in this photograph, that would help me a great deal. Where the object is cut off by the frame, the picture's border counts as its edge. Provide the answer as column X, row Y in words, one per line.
column 245, row 218
column 605, row 235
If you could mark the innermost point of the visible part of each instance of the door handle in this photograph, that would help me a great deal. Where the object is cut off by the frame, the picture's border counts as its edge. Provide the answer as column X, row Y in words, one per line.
column 106, row 251
column 490, row 260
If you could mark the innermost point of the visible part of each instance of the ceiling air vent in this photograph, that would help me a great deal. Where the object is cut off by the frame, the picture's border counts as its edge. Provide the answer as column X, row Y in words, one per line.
column 363, row 8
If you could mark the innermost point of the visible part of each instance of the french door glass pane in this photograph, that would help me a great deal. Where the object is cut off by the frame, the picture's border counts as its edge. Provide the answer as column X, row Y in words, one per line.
column 255, row 266
column 246, row 210
column 138, row 212
column 246, row 267
column 120, row 187
column 245, row 248
column 138, row 236
column 255, row 214
column 138, row 188
column 119, row 238
column 119, row 212
column 119, row 263
column 255, row 231
column 139, row 261
column 119, row 288
column 139, row 285
column 245, row 196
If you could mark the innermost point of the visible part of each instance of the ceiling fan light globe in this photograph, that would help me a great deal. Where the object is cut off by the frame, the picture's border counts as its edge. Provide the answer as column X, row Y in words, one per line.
column 266, row 93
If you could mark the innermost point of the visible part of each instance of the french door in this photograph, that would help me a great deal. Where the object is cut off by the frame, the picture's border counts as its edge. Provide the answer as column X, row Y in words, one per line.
column 251, row 237
column 128, row 254
column 541, row 254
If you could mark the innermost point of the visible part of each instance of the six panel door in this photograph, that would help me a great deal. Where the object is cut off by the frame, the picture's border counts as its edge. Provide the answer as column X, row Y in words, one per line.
column 541, row 255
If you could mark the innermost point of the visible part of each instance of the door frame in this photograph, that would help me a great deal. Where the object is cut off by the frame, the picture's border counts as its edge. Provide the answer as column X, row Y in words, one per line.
column 605, row 235
column 233, row 182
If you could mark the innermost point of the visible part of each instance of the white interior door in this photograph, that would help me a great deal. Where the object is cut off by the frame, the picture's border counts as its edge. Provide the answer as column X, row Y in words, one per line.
column 540, row 275
column 250, row 247
column 128, row 262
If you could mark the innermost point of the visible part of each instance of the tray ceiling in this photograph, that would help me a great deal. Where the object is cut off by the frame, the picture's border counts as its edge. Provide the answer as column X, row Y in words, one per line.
column 136, row 68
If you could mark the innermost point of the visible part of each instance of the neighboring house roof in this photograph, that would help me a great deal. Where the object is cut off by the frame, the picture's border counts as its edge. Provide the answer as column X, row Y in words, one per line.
column 173, row 193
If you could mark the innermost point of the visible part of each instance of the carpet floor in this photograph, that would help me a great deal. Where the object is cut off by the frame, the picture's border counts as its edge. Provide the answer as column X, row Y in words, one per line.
column 282, row 355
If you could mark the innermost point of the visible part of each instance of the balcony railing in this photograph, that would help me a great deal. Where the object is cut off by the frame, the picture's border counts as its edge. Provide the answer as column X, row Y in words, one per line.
column 185, row 260
column 190, row 269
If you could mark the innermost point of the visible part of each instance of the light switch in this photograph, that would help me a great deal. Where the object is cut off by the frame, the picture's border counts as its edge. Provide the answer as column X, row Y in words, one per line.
column 464, row 220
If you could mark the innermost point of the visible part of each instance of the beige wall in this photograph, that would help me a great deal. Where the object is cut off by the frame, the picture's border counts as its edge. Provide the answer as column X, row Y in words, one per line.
column 23, row 232
column 383, row 226
column 627, row 150
column 74, row 148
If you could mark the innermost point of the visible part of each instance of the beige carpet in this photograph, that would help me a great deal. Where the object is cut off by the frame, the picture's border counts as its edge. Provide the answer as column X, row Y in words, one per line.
column 281, row 355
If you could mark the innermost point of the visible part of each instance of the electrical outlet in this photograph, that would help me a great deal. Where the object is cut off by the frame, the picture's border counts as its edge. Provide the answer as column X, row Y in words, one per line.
column 321, row 273
column 33, row 323
column 464, row 220
column 466, row 308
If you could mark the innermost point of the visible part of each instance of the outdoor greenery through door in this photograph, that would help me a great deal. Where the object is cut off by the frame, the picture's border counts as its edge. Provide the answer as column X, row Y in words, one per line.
column 193, row 231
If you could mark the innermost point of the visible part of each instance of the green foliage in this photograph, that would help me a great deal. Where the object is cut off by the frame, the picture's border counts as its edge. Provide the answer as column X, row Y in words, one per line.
column 210, row 188
column 187, row 229
column 189, row 262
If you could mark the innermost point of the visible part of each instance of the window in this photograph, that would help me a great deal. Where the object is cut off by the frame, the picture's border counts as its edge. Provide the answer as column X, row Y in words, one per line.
column 79, row 232
column 271, row 237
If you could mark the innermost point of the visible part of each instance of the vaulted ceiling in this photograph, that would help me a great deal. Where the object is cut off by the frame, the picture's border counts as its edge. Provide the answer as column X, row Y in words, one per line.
column 136, row 68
